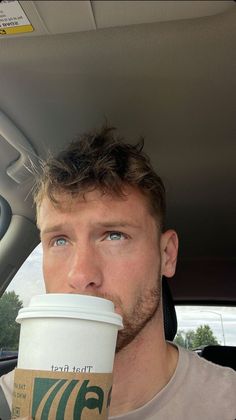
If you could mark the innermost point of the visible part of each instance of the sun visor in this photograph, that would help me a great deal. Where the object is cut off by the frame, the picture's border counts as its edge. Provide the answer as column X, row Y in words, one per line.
column 21, row 169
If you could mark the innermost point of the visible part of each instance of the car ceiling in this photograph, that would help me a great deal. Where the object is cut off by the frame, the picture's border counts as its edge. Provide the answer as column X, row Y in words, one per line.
column 162, row 70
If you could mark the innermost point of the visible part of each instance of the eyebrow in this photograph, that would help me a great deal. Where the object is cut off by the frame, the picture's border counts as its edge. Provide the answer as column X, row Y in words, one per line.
column 108, row 225
column 52, row 229
column 117, row 223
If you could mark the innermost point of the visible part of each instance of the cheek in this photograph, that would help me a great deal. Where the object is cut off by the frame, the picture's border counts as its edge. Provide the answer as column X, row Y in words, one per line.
column 129, row 276
column 53, row 273
column 46, row 274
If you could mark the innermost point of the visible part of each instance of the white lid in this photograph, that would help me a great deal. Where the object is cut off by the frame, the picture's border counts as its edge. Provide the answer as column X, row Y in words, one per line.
column 71, row 306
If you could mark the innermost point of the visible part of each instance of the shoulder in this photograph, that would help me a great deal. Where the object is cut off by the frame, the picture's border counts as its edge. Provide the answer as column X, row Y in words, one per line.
column 6, row 385
column 202, row 373
column 208, row 388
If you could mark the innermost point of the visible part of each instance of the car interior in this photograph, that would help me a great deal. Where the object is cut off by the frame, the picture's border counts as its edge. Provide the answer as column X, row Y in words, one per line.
column 160, row 70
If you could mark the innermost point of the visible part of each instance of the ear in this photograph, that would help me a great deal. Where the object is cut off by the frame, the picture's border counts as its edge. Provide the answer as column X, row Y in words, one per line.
column 169, row 252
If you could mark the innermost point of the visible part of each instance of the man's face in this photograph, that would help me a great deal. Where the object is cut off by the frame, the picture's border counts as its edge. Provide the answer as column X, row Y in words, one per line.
column 108, row 247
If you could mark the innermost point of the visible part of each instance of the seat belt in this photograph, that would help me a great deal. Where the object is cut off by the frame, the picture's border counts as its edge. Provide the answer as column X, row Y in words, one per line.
column 5, row 413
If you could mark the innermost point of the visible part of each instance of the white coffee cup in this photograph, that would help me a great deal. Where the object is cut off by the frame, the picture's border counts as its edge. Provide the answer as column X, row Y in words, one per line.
column 66, row 354
column 68, row 333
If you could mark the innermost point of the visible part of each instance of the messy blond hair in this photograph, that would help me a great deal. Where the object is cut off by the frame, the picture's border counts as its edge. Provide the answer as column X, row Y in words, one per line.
column 100, row 160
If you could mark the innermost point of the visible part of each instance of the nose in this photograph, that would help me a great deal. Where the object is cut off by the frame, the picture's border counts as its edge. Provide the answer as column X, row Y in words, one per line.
column 85, row 274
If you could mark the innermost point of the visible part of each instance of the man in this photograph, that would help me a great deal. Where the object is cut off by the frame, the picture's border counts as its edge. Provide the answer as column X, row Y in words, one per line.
column 101, row 214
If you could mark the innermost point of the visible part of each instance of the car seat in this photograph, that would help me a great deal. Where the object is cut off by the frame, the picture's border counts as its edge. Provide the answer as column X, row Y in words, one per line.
column 169, row 314
column 221, row 355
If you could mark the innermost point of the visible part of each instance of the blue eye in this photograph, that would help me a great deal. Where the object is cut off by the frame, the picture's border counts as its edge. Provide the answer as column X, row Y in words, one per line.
column 115, row 236
column 60, row 242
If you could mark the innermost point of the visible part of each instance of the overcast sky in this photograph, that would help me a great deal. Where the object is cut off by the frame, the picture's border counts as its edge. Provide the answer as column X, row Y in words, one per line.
column 29, row 281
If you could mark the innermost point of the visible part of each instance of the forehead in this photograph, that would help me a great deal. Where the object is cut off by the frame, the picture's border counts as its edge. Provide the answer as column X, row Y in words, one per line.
column 133, row 205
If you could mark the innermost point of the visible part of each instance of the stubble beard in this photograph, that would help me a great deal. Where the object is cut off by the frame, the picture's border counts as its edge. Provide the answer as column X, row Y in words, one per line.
column 145, row 308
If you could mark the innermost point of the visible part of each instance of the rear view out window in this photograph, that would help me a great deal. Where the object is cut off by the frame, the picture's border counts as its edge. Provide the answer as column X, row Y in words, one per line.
column 199, row 326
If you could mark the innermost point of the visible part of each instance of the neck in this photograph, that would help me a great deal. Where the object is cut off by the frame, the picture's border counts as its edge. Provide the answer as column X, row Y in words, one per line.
column 142, row 369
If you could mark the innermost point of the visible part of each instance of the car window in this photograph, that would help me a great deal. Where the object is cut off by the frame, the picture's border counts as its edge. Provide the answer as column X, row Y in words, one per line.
column 27, row 282
column 29, row 279
column 199, row 326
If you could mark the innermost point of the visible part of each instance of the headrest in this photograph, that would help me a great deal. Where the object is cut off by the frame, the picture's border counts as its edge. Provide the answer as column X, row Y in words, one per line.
column 221, row 355
column 169, row 314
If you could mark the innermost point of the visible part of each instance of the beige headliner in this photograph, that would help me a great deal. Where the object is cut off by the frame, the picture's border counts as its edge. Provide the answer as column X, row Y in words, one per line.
column 56, row 17
column 173, row 82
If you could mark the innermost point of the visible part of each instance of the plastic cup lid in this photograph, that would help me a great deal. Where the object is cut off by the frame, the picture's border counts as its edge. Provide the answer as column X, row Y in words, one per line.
column 71, row 306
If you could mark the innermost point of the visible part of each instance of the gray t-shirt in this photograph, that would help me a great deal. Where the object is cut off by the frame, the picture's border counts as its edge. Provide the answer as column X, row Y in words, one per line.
column 198, row 390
